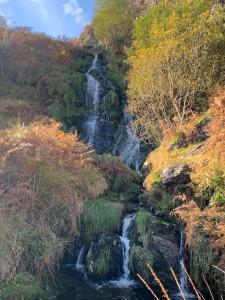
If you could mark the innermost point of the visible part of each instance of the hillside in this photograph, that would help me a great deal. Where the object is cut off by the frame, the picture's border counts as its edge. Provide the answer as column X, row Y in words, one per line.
column 112, row 155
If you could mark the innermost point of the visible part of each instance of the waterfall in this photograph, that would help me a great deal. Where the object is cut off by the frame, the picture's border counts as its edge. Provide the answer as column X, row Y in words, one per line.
column 127, row 144
column 92, row 101
column 79, row 264
column 183, row 276
column 125, row 281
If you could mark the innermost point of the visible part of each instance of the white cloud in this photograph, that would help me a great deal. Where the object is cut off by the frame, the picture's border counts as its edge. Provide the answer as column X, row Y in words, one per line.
column 73, row 8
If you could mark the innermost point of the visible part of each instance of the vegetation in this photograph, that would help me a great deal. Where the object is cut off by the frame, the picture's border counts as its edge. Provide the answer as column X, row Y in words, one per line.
column 112, row 23
column 46, row 176
column 100, row 216
column 170, row 78
column 122, row 181
column 43, row 70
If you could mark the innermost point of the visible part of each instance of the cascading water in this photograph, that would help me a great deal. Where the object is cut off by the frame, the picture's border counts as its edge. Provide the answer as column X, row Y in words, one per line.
column 127, row 144
column 125, row 280
column 183, row 276
column 79, row 264
column 92, row 101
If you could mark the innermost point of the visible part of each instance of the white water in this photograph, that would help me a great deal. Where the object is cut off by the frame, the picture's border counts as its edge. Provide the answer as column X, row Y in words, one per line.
column 183, row 276
column 128, row 145
column 80, row 264
column 125, row 280
column 92, row 101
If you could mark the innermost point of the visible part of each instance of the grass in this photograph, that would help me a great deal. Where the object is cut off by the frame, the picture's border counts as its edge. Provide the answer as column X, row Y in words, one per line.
column 46, row 177
column 25, row 286
column 103, row 261
column 165, row 294
column 100, row 216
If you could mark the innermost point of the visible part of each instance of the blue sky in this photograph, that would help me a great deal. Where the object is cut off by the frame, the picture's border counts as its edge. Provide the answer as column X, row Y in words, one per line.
column 54, row 17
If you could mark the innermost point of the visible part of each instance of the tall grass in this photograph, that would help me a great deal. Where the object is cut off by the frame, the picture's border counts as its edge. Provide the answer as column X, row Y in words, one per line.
column 100, row 216
column 45, row 178
column 165, row 294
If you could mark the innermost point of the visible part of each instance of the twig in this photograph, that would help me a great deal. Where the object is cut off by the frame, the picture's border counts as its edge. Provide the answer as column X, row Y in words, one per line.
column 219, row 269
column 177, row 282
column 192, row 283
column 148, row 287
column 208, row 287
column 159, row 282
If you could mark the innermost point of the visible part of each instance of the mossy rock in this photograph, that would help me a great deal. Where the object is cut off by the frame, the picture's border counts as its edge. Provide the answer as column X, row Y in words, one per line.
column 104, row 258
column 139, row 258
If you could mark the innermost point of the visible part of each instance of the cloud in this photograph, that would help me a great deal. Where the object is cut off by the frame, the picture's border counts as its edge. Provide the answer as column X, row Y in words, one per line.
column 73, row 8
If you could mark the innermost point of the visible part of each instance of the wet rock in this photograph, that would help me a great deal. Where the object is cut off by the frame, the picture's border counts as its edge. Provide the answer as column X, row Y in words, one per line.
column 104, row 258
column 156, row 242
column 176, row 174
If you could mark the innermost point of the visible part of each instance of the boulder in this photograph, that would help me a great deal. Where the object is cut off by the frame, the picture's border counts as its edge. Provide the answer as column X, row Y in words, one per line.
column 176, row 174
column 104, row 258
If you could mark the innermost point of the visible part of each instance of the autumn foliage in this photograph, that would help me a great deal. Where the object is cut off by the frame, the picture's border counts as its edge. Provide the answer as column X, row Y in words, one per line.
column 45, row 178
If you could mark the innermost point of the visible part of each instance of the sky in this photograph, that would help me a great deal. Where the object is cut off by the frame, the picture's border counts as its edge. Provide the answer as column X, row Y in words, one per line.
column 54, row 17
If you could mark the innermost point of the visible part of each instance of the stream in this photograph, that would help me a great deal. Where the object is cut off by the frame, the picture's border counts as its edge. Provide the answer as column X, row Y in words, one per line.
column 127, row 146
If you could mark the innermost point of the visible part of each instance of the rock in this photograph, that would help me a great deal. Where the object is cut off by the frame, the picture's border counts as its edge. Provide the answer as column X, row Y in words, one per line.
column 176, row 174
column 202, row 131
column 154, row 241
column 181, row 142
column 87, row 38
column 104, row 258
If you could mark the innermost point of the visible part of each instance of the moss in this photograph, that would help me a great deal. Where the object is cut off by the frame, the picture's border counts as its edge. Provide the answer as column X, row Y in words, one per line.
column 141, row 221
column 160, row 201
column 142, row 228
column 139, row 258
column 100, row 216
column 103, row 261
column 25, row 286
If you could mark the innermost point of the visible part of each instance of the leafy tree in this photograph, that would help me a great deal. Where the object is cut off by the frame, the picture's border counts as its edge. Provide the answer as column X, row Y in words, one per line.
column 177, row 56
column 113, row 23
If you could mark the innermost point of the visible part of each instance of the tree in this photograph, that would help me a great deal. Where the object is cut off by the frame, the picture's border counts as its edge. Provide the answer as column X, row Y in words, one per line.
column 113, row 23
column 176, row 58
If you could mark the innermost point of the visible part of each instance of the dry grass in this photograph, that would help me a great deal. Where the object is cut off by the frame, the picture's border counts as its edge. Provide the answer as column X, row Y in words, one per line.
column 205, row 164
column 165, row 295
column 45, row 178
